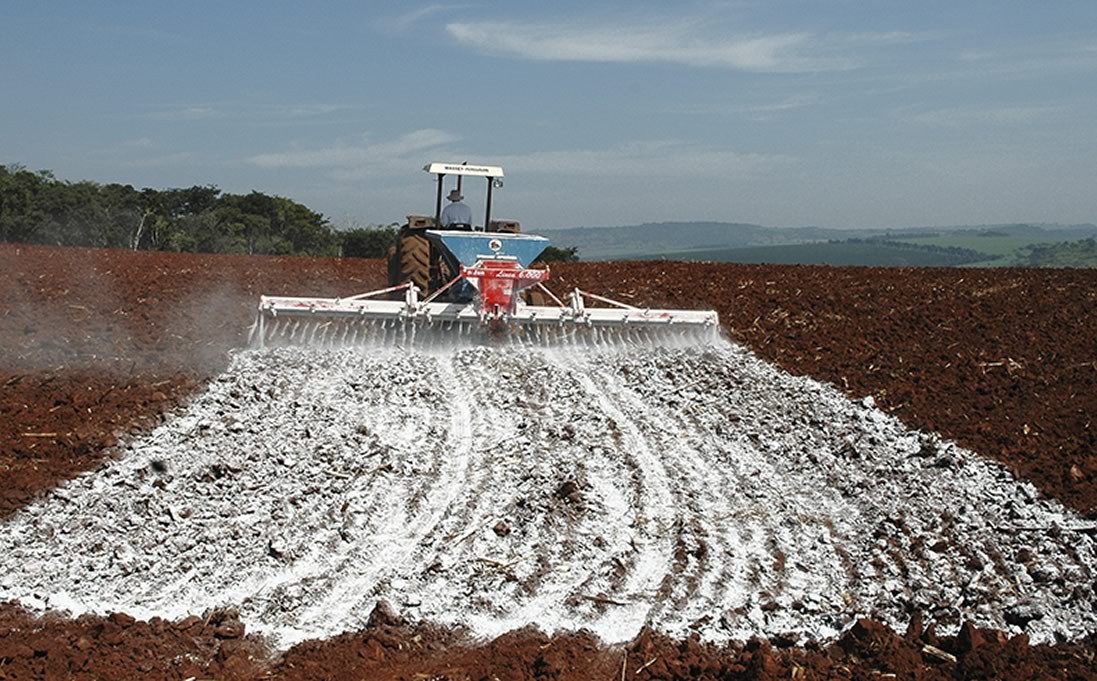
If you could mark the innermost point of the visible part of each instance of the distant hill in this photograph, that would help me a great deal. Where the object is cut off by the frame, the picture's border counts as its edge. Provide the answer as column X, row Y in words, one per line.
column 1082, row 253
column 655, row 239
column 1080, row 231
column 875, row 252
column 980, row 245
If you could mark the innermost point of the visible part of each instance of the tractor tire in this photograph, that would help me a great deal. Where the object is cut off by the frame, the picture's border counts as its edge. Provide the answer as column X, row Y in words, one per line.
column 393, row 266
column 445, row 273
column 413, row 260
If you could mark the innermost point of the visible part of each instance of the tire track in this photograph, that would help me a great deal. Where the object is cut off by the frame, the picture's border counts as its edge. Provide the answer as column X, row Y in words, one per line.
column 694, row 483
column 745, row 532
column 583, row 539
column 351, row 517
column 655, row 518
column 502, row 432
column 392, row 543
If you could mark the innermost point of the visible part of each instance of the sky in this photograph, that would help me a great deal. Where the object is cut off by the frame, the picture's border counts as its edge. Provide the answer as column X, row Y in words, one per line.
column 835, row 113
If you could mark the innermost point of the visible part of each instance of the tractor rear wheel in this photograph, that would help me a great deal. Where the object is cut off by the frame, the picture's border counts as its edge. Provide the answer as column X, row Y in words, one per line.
column 413, row 261
column 393, row 266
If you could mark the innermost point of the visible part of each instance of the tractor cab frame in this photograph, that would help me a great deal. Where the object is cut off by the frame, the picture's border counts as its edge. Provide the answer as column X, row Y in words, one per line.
column 493, row 174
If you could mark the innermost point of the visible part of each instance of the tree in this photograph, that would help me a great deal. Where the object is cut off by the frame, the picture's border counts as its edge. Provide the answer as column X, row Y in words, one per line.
column 304, row 230
column 368, row 242
column 554, row 254
column 39, row 208
column 21, row 211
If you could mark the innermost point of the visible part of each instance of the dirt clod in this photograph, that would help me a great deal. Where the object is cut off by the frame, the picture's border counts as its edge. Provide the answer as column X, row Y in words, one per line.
column 569, row 491
column 383, row 615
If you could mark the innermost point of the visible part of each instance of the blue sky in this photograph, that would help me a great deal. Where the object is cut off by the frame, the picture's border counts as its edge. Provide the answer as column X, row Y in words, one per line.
column 847, row 113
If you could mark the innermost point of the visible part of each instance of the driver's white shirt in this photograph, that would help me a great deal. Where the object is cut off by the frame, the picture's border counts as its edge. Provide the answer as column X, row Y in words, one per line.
column 456, row 213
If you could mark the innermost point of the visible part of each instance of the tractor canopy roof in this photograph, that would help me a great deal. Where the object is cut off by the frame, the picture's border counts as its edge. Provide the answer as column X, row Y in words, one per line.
column 463, row 169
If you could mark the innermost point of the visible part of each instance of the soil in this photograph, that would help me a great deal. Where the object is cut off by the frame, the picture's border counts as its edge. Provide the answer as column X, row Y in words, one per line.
column 1003, row 361
column 98, row 344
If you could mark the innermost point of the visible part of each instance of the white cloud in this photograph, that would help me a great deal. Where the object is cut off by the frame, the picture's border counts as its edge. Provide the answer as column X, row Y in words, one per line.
column 353, row 161
column 758, row 111
column 884, row 37
column 966, row 116
column 970, row 55
column 303, row 110
column 761, row 112
column 1042, row 58
column 250, row 112
column 181, row 158
column 410, row 18
column 188, row 113
column 685, row 42
column 652, row 159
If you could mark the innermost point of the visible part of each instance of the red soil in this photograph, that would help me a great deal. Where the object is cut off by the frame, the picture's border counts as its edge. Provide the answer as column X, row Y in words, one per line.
column 100, row 343
column 1003, row 361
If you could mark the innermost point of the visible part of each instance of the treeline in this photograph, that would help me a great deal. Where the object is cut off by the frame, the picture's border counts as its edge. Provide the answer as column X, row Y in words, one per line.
column 38, row 208
column 1082, row 253
column 950, row 255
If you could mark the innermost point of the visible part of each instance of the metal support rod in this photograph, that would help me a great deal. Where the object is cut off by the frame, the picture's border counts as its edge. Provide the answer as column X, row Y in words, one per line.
column 438, row 202
column 443, row 289
column 372, row 294
column 487, row 210
column 550, row 294
column 603, row 299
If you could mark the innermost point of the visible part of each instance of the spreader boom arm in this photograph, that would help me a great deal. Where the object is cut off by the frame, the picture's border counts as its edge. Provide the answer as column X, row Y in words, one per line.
column 411, row 309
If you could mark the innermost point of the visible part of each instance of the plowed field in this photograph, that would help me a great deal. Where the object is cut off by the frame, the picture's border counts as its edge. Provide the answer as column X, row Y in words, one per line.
column 675, row 504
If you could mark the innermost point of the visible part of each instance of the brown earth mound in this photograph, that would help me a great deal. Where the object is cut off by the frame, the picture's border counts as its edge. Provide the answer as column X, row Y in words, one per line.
column 99, row 343
column 118, row 647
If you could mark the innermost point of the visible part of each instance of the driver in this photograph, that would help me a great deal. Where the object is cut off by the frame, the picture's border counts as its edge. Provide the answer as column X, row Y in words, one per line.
column 456, row 215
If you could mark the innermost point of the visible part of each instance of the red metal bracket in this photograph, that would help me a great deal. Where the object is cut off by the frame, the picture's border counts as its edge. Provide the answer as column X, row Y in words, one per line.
column 499, row 283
